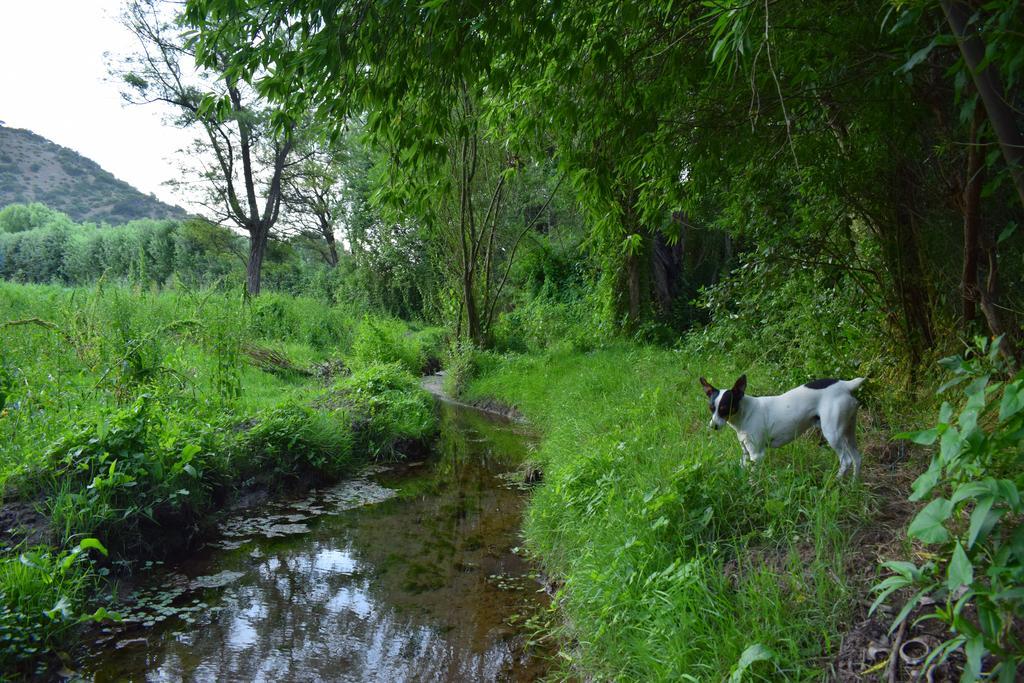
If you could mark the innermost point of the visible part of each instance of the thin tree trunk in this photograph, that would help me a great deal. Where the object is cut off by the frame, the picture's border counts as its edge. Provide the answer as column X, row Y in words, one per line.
column 972, row 220
column 332, row 248
column 988, row 295
column 987, row 82
column 633, row 285
column 904, row 257
column 254, row 269
column 472, row 314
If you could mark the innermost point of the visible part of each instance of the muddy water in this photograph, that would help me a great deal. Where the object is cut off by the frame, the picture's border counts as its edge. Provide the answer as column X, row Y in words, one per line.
column 408, row 572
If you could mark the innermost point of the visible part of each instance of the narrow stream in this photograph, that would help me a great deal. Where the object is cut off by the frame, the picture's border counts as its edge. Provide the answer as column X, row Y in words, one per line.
column 408, row 572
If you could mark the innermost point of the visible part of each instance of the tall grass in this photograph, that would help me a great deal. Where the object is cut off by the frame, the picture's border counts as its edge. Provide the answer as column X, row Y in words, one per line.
column 675, row 560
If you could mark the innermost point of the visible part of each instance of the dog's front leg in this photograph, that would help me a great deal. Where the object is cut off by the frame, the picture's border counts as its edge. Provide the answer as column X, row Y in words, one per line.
column 748, row 456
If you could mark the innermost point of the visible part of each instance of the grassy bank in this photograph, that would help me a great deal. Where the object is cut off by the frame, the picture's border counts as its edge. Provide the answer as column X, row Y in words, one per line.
column 130, row 416
column 678, row 564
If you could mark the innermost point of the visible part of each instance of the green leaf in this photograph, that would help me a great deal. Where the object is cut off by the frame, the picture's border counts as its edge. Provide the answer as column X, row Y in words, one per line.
column 975, row 650
column 949, row 445
column 755, row 653
column 917, row 57
column 93, row 543
column 1007, row 232
column 924, row 484
column 961, row 571
column 905, row 611
column 927, row 525
column 973, row 489
column 1012, row 402
column 983, row 518
column 925, row 437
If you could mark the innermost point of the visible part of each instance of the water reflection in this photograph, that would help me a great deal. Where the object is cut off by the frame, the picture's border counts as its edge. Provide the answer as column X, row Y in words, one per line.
column 417, row 587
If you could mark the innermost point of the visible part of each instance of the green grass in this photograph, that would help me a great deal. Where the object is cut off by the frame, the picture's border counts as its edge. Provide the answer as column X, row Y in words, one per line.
column 132, row 415
column 675, row 560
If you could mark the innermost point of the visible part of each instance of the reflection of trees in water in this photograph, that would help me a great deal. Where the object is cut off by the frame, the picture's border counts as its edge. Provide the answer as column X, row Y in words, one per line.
column 396, row 591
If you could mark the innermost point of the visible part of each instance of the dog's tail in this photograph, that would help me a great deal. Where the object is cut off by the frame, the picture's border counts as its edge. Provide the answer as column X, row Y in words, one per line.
column 853, row 384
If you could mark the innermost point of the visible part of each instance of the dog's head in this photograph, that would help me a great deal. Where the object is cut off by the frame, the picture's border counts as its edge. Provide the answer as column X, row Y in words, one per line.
column 724, row 404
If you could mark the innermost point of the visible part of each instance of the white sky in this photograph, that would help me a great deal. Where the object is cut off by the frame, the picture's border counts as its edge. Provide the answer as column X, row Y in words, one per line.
column 54, row 82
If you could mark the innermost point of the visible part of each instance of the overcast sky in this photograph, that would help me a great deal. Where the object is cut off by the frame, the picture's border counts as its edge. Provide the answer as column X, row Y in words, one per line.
column 53, row 81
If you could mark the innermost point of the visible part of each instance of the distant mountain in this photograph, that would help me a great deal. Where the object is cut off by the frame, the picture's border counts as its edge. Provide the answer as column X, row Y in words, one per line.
column 33, row 169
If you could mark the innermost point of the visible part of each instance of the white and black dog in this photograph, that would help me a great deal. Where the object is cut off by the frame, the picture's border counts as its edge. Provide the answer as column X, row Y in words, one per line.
column 772, row 421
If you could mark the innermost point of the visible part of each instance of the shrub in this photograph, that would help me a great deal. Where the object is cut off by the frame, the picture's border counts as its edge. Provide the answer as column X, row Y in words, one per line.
column 464, row 364
column 381, row 341
column 295, row 442
column 972, row 520
column 389, row 406
column 109, row 476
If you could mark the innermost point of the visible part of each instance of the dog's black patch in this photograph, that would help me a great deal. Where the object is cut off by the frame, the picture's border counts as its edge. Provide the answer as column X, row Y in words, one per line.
column 711, row 400
column 821, row 383
column 730, row 404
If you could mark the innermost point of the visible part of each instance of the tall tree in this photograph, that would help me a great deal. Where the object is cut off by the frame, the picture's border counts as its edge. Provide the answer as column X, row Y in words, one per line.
column 244, row 147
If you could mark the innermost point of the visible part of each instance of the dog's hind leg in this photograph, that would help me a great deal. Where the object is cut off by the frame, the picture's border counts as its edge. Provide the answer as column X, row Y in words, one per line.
column 850, row 439
column 835, row 435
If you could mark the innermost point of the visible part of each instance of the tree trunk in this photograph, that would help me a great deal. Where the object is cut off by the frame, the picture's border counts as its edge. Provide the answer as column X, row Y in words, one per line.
column 988, row 295
column 472, row 314
column 904, row 257
column 254, row 269
column 987, row 82
column 972, row 220
column 667, row 268
column 633, row 287
column 332, row 249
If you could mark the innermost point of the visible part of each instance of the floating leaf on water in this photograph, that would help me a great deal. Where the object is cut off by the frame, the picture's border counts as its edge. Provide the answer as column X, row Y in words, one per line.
column 285, row 530
column 218, row 580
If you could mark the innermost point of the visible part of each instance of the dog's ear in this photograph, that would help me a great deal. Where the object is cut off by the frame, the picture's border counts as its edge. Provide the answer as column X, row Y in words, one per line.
column 741, row 385
column 708, row 389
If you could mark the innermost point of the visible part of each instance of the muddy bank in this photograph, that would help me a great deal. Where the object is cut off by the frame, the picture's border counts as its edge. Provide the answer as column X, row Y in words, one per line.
column 434, row 384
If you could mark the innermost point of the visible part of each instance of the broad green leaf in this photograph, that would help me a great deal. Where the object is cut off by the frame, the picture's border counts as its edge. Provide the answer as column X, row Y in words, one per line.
column 983, row 518
column 961, row 571
column 1012, row 402
column 949, row 445
column 927, row 525
column 924, row 484
column 975, row 392
column 925, row 437
column 755, row 653
column 973, row 489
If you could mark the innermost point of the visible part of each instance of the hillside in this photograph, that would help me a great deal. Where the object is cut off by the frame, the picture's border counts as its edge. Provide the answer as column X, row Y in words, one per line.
column 33, row 169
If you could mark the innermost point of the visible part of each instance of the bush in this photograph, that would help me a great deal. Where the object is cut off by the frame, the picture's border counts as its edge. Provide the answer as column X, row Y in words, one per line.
column 389, row 407
column 108, row 477
column 972, row 521
column 465, row 364
column 297, row 443
column 383, row 340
